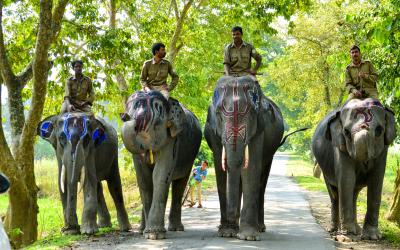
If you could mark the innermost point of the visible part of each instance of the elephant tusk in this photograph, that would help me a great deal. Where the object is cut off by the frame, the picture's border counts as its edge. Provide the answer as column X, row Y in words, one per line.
column 223, row 159
column 62, row 178
column 151, row 156
column 246, row 157
column 82, row 179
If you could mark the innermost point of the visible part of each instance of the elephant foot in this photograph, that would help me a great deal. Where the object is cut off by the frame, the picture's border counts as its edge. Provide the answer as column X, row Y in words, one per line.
column 176, row 227
column 70, row 230
column 154, row 233
column 358, row 229
column 228, row 230
column 349, row 229
column 104, row 223
column 346, row 238
column 125, row 227
column 248, row 233
column 371, row 233
column 333, row 229
column 261, row 228
column 142, row 227
column 89, row 228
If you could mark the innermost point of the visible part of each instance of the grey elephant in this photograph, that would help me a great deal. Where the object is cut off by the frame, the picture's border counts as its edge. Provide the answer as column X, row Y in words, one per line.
column 87, row 152
column 164, row 138
column 351, row 145
column 243, row 129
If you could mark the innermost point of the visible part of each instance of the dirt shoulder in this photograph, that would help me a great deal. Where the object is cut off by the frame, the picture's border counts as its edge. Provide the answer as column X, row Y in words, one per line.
column 320, row 209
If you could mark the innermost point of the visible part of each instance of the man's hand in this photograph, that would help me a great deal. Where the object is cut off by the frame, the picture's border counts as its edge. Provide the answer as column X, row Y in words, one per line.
column 362, row 74
column 71, row 108
column 252, row 71
column 166, row 87
column 146, row 89
column 357, row 93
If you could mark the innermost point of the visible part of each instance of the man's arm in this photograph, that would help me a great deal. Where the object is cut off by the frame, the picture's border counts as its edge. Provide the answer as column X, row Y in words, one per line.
column 143, row 76
column 372, row 77
column 91, row 97
column 257, row 57
column 174, row 76
column 227, row 61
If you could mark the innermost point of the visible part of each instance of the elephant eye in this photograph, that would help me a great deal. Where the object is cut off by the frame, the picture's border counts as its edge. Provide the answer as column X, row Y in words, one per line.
column 347, row 133
column 378, row 131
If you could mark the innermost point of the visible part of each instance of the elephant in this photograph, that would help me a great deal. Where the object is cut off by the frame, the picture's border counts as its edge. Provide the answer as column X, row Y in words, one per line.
column 164, row 138
column 243, row 129
column 87, row 152
column 350, row 145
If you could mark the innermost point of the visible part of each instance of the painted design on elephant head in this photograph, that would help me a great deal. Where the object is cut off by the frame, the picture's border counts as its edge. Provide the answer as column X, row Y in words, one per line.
column 75, row 122
column 46, row 128
column 236, row 125
column 363, row 109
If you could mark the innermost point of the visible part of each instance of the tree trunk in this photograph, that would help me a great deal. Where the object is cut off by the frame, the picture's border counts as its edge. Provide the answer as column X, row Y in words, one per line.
column 21, row 217
column 394, row 212
column 122, row 85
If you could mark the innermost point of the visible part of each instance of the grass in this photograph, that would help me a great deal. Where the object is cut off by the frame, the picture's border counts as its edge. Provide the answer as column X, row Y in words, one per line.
column 302, row 172
column 50, row 217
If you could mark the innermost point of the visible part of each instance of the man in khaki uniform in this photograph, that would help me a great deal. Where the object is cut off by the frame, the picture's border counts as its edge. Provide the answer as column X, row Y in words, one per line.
column 79, row 93
column 155, row 72
column 361, row 76
column 237, row 56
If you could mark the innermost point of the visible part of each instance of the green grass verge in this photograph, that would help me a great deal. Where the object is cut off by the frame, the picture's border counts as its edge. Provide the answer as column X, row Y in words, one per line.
column 302, row 172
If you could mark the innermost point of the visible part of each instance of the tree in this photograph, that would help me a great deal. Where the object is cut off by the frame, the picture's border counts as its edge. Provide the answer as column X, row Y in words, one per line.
column 17, row 160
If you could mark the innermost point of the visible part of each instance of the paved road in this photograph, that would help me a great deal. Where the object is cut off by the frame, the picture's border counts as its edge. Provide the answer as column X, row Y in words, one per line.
column 289, row 223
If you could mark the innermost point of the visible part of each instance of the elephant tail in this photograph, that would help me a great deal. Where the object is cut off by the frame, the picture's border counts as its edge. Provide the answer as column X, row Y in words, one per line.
column 291, row 133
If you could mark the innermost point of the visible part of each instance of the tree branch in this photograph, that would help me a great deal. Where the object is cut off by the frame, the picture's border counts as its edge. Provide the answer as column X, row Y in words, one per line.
column 5, row 68
column 175, row 6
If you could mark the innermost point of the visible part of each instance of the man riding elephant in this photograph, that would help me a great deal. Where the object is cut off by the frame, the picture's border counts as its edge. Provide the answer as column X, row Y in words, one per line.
column 155, row 72
column 361, row 76
column 79, row 92
column 237, row 56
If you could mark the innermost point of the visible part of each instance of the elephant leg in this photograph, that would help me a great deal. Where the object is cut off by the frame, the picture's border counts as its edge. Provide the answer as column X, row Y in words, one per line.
column 104, row 218
column 333, row 195
column 264, row 180
column 346, row 185
column 162, row 175
column 115, row 188
column 89, row 224
column 71, row 225
column 63, row 195
column 178, row 187
column 374, row 194
column 251, row 179
column 145, row 183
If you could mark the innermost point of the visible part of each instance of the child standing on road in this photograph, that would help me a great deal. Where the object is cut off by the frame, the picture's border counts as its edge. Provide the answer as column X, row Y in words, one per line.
column 199, row 174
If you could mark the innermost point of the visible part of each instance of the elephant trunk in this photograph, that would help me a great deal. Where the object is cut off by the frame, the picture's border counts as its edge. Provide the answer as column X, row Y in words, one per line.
column 361, row 145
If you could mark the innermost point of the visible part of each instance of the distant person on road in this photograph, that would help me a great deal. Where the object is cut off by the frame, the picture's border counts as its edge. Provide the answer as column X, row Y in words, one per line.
column 361, row 77
column 199, row 174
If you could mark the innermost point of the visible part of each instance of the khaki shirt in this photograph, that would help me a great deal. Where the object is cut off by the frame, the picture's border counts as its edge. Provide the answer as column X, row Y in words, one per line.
column 353, row 81
column 79, row 91
column 155, row 74
column 239, row 59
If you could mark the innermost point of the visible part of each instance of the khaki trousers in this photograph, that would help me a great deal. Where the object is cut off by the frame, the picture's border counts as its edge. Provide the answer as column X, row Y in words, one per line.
column 198, row 186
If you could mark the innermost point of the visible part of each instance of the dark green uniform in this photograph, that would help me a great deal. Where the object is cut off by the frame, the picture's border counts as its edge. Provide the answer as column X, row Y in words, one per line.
column 239, row 58
column 80, row 93
column 154, row 75
column 367, row 84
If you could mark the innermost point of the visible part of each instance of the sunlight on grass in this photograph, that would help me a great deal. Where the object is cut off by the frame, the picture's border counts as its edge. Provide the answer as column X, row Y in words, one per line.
column 302, row 172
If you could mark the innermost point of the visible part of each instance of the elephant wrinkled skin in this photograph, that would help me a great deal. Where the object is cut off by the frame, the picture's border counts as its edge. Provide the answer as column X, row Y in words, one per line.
column 87, row 152
column 164, row 138
column 243, row 129
column 351, row 145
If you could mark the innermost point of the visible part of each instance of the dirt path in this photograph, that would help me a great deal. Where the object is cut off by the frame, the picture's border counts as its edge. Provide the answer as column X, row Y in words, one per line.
column 289, row 222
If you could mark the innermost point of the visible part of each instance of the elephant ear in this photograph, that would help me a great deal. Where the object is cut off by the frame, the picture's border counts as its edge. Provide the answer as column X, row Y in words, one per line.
column 390, row 128
column 46, row 129
column 98, row 134
column 176, row 118
column 333, row 131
